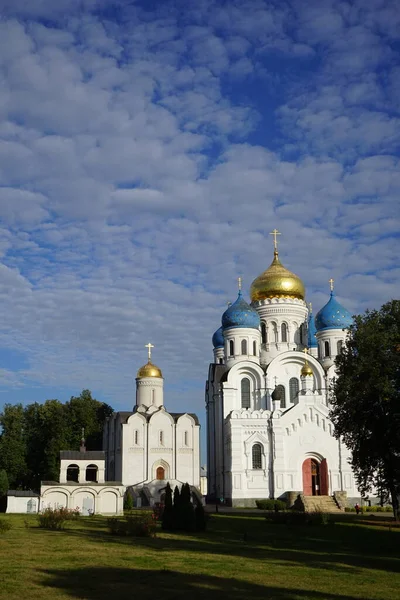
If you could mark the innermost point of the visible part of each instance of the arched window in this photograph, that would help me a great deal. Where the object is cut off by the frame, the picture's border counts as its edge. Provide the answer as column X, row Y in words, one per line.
column 186, row 438
column 160, row 473
column 254, row 348
column 91, row 473
column 153, row 396
column 73, row 473
column 320, row 350
column 327, row 351
column 221, row 361
column 161, row 438
column 275, row 331
column 245, row 391
column 339, row 346
column 264, row 336
column 281, row 389
column 284, row 332
column 244, row 346
column 231, row 348
column 136, row 437
column 293, row 389
column 256, row 455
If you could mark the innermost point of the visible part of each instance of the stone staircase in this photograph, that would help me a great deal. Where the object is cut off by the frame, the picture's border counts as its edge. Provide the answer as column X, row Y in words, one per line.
column 320, row 504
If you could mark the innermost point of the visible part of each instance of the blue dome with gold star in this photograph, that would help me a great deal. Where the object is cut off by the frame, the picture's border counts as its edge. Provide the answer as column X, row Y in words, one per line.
column 333, row 316
column 312, row 330
column 218, row 338
column 240, row 314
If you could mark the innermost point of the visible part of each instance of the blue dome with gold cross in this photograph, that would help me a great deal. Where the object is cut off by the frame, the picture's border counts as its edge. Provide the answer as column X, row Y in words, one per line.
column 312, row 330
column 240, row 314
column 218, row 338
column 333, row 316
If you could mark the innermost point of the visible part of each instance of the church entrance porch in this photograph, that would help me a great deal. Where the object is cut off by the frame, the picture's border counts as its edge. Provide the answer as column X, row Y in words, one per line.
column 315, row 477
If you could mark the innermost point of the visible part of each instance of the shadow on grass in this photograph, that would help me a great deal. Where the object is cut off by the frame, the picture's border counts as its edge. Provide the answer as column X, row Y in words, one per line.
column 340, row 547
column 124, row 584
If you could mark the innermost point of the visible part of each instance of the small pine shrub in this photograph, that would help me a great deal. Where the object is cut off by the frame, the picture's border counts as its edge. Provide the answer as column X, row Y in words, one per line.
column 128, row 502
column 5, row 526
column 56, row 518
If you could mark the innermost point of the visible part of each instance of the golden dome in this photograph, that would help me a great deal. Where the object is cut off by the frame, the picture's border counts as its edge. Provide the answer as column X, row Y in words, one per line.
column 306, row 370
column 149, row 370
column 277, row 282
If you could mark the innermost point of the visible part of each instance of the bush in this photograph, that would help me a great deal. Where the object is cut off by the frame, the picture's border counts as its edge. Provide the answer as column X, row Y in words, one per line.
column 270, row 504
column 141, row 524
column 128, row 502
column 56, row 518
column 5, row 526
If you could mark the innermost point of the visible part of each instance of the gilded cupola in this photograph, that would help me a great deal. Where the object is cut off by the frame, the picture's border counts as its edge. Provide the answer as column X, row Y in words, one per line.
column 149, row 369
column 277, row 281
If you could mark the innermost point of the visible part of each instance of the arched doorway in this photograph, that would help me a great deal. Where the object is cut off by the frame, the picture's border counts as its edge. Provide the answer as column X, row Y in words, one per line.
column 315, row 477
column 160, row 473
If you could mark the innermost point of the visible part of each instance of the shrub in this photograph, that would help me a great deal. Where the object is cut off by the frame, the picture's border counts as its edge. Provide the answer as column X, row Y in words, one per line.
column 128, row 502
column 141, row 524
column 270, row 504
column 56, row 518
column 5, row 526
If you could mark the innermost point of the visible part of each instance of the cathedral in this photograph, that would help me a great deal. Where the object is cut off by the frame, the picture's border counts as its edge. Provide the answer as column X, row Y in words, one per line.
column 267, row 401
column 149, row 446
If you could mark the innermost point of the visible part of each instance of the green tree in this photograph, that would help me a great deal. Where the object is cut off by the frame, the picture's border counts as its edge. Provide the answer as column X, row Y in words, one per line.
column 85, row 411
column 365, row 401
column 12, row 445
column 168, row 513
column 3, row 490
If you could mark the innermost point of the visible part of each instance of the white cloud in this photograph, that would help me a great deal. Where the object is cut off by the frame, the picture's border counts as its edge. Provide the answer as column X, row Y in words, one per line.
column 129, row 207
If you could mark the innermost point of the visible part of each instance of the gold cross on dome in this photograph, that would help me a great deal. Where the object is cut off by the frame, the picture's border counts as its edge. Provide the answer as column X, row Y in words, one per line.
column 149, row 347
column 331, row 282
column 306, row 351
column 275, row 232
column 239, row 283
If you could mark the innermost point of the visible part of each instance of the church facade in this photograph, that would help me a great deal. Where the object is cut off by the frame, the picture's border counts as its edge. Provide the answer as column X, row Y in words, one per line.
column 149, row 446
column 267, row 402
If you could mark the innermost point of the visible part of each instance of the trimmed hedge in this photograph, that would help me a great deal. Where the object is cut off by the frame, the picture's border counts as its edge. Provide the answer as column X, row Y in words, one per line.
column 270, row 504
column 365, row 509
column 142, row 524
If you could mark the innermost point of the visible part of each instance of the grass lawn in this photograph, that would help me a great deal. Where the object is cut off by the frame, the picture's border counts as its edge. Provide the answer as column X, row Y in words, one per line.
column 238, row 557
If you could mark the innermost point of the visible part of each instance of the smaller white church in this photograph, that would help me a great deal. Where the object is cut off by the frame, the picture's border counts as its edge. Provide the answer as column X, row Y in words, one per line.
column 149, row 446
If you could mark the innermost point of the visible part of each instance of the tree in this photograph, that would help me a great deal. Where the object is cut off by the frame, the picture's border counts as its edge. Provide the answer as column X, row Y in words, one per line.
column 365, row 400
column 168, row 513
column 3, row 490
column 12, row 445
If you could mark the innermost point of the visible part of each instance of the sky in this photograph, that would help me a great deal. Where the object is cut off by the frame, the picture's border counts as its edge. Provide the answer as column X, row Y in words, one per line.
column 147, row 150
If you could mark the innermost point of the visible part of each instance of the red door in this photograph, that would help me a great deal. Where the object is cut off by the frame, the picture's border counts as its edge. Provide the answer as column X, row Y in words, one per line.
column 324, row 478
column 307, row 478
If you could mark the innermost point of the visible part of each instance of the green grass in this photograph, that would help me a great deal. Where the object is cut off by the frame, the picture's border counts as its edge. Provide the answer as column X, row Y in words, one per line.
column 238, row 557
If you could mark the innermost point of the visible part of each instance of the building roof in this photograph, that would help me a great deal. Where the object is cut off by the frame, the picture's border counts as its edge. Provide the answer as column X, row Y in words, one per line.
column 77, row 455
column 23, row 493
column 174, row 415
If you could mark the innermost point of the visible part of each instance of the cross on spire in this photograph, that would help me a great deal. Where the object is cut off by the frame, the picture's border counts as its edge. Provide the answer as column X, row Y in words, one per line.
column 239, row 283
column 149, row 347
column 275, row 233
column 331, row 282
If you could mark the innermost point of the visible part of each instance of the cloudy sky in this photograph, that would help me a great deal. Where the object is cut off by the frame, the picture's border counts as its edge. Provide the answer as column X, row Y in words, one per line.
column 148, row 149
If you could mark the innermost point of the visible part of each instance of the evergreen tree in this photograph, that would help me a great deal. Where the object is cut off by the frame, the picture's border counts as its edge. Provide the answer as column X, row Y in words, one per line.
column 187, row 517
column 200, row 517
column 366, row 400
column 128, row 502
column 13, row 445
column 168, row 513
column 176, row 511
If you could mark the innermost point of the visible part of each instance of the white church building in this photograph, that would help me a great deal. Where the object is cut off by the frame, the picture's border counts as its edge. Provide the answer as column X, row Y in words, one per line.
column 149, row 446
column 268, row 428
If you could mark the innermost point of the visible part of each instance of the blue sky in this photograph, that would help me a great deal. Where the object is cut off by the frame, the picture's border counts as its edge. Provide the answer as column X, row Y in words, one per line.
column 148, row 149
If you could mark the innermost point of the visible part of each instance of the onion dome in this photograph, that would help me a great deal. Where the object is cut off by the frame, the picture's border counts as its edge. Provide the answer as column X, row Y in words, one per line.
column 218, row 338
column 312, row 330
column 333, row 316
column 306, row 370
column 277, row 282
column 149, row 370
column 277, row 394
column 240, row 314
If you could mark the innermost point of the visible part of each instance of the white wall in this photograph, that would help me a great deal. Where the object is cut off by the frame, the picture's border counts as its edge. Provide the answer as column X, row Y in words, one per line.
column 25, row 504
